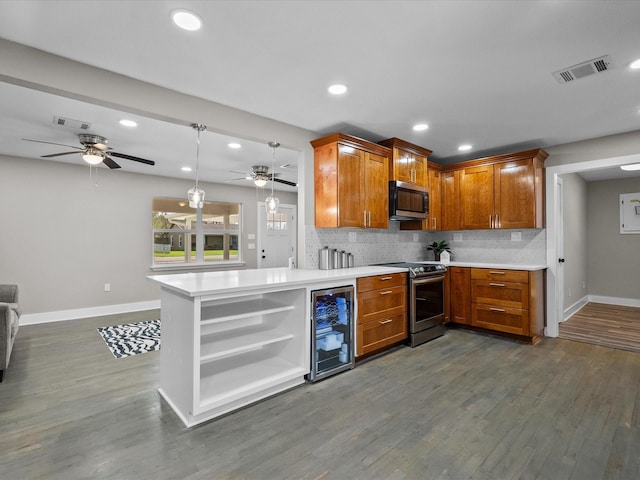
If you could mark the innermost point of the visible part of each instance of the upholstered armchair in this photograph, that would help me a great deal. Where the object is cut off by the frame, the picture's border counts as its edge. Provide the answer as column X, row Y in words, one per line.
column 9, row 322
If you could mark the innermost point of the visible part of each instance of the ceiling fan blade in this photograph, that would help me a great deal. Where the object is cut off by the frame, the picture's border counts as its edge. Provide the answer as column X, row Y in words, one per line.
column 241, row 173
column 237, row 179
column 109, row 162
column 285, row 182
column 52, row 143
column 130, row 157
column 58, row 154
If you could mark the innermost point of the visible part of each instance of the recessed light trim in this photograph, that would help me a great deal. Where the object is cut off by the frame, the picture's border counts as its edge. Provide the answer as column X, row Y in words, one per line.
column 465, row 148
column 635, row 64
column 337, row 89
column 125, row 122
column 234, row 145
column 420, row 127
column 186, row 169
column 630, row 168
column 186, row 20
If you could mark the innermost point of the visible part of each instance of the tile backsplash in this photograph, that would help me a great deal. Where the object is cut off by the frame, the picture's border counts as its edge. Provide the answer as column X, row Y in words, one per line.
column 392, row 245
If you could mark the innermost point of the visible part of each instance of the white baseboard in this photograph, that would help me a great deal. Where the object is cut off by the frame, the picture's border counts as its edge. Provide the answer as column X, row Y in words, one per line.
column 627, row 302
column 62, row 315
column 569, row 312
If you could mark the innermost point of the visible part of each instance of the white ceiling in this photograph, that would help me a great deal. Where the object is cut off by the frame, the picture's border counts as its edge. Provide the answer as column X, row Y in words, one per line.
column 478, row 72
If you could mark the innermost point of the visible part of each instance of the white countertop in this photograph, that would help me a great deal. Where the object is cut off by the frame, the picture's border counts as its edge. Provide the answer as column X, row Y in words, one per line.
column 502, row 266
column 230, row 281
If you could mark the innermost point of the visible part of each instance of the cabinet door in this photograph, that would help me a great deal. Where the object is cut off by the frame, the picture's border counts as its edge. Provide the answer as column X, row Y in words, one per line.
column 435, row 216
column 515, row 195
column 351, row 201
column 420, row 176
column 402, row 165
column 450, row 207
column 476, row 198
column 376, row 191
column 460, row 294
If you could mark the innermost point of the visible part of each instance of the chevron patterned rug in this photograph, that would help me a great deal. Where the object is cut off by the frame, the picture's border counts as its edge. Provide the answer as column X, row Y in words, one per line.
column 132, row 338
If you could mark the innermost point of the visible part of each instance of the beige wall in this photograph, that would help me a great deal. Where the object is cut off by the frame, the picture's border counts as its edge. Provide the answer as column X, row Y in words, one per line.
column 594, row 149
column 575, row 238
column 613, row 259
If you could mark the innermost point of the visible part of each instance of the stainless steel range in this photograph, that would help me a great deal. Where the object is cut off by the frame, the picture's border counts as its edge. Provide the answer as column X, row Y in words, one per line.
column 426, row 300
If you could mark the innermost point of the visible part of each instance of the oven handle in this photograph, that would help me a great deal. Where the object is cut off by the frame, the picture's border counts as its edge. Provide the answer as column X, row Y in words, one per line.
column 424, row 280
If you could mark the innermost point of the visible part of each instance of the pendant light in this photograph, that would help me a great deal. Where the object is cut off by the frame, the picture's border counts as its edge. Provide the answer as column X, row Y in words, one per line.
column 196, row 194
column 271, row 203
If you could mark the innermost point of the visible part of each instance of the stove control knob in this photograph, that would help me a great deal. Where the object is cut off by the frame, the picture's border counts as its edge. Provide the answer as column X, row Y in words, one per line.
column 420, row 269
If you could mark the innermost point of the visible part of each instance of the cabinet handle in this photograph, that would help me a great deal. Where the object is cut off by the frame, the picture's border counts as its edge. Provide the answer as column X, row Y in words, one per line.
column 382, row 322
column 496, row 284
column 496, row 273
column 386, row 292
column 364, row 218
column 435, row 223
column 385, row 278
column 490, row 221
column 496, row 223
column 369, row 218
column 497, row 309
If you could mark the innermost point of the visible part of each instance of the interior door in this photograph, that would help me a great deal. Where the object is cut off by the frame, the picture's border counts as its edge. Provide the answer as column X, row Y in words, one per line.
column 276, row 236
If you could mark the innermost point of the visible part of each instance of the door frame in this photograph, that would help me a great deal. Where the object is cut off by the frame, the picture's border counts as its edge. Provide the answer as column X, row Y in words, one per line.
column 259, row 239
column 555, row 287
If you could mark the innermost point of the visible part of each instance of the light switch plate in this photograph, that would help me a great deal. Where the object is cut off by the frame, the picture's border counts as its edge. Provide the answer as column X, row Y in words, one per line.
column 251, row 246
column 251, row 236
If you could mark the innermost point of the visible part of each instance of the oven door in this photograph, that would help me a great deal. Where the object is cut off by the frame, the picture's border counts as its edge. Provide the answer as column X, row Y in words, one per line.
column 427, row 303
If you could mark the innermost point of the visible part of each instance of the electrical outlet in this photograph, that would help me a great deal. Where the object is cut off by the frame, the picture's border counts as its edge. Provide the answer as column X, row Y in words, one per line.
column 353, row 237
column 457, row 237
column 107, row 287
column 569, row 292
column 516, row 236
column 416, row 237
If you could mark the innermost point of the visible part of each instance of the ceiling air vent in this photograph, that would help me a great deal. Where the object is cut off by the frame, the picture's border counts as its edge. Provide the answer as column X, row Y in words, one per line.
column 597, row 65
column 71, row 123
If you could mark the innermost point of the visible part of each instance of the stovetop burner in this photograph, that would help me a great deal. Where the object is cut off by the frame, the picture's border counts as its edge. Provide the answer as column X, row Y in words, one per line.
column 417, row 269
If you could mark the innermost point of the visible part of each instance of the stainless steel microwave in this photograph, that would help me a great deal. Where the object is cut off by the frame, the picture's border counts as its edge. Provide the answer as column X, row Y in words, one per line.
column 407, row 201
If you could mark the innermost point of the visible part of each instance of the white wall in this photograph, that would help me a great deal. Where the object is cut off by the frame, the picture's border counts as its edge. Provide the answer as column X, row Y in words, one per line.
column 575, row 238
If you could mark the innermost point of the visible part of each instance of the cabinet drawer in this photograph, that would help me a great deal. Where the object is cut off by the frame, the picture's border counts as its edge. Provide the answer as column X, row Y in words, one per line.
column 520, row 276
column 379, row 333
column 504, row 294
column 381, row 281
column 510, row 320
column 379, row 303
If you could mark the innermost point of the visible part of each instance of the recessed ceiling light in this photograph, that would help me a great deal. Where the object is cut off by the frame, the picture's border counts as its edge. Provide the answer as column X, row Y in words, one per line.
column 464, row 148
column 234, row 145
column 631, row 168
column 420, row 127
column 635, row 64
column 337, row 89
column 128, row 123
column 186, row 20
column 186, row 169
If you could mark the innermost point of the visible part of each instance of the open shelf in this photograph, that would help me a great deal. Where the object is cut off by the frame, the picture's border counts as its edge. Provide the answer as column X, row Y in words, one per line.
column 242, row 309
column 234, row 377
column 232, row 342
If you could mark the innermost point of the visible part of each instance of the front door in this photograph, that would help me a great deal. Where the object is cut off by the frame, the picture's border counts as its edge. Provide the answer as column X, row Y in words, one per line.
column 276, row 236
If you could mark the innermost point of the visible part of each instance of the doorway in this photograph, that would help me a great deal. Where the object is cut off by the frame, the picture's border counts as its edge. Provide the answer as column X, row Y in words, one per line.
column 276, row 236
column 555, row 237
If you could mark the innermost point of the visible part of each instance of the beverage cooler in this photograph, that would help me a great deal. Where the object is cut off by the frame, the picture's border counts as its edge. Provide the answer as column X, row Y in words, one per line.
column 332, row 321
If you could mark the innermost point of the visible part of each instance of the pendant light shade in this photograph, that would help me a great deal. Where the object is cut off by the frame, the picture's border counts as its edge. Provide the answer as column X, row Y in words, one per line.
column 195, row 195
column 272, row 203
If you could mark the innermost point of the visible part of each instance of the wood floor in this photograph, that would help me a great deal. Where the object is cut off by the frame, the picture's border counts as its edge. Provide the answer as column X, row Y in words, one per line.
column 607, row 325
column 464, row 406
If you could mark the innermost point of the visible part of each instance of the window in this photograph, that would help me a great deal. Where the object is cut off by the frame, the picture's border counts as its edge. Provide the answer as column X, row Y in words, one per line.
column 184, row 235
column 276, row 221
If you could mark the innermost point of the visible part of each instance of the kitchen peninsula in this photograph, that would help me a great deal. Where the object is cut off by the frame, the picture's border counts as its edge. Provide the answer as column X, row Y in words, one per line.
column 233, row 337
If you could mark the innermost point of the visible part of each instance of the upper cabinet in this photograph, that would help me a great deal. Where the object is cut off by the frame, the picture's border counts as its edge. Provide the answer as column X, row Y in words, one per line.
column 435, row 197
column 409, row 162
column 505, row 191
column 450, row 200
column 351, row 179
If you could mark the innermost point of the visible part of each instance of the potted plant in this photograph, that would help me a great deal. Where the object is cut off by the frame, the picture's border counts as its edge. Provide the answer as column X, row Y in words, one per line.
column 438, row 248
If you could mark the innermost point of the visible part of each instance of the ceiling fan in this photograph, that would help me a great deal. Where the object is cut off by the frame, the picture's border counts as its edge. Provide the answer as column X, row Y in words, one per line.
column 260, row 176
column 94, row 151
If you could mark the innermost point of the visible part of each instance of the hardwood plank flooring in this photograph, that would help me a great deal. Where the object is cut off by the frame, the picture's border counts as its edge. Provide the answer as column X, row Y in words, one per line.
column 613, row 326
column 464, row 406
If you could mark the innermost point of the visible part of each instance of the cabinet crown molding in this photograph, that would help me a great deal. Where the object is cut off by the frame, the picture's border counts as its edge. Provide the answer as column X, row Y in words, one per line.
column 536, row 153
column 354, row 142
column 404, row 145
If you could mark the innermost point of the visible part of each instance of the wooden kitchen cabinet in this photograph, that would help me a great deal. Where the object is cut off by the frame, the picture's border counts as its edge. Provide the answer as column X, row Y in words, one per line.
column 460, row 295
column 382, row 312
column 409, row 162
column 508, row 301
column 505, row 191
column 351, row 179
column 450, row 195
column 435, row 201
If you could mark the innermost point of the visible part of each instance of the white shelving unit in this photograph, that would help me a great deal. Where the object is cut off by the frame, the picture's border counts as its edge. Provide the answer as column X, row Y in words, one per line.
column 222, row 352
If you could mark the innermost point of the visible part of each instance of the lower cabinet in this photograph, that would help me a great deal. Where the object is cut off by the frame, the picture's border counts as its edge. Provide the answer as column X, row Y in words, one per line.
column 500, row 300
column 382, row 312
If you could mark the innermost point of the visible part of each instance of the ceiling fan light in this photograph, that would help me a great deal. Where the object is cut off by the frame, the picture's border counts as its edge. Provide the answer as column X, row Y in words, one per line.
column 260, row 182
column 92, row 158
column 195, row 196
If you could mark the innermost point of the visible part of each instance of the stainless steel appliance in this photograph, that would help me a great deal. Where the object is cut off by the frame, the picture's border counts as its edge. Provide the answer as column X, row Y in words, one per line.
column 407, row 201
column 426, row 300
column 332, row 335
